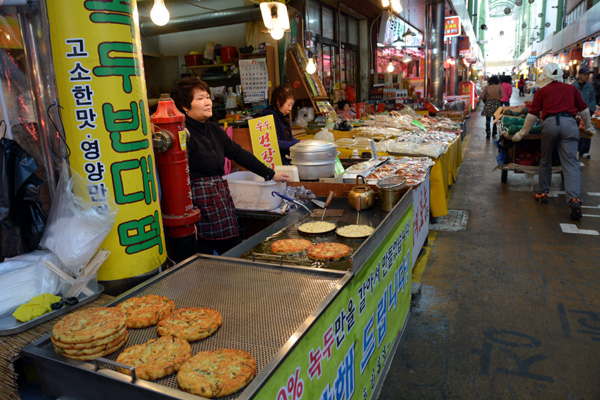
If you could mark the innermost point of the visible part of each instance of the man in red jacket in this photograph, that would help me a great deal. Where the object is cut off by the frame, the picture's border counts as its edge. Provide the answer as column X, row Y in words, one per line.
column 558, row 103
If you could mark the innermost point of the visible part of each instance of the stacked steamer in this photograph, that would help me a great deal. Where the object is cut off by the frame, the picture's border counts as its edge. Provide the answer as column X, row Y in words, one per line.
column 97, row 332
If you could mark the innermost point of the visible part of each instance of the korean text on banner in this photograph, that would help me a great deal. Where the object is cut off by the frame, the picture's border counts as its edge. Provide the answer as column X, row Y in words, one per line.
column 343, row 354
column 264, row 140
column 98, row 63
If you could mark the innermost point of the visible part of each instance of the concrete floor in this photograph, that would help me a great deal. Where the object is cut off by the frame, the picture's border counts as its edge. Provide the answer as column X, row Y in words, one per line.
column 509, row 307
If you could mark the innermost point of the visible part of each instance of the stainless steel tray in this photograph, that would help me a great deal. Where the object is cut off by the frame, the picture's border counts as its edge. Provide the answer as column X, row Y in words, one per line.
column 9, row 325
column 265, row 309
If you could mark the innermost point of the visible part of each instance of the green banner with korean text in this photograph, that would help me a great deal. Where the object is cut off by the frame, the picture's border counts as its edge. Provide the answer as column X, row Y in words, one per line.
column 343, row 354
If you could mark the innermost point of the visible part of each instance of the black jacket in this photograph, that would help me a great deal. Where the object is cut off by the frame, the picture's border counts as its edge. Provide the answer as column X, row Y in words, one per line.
column 208, row 146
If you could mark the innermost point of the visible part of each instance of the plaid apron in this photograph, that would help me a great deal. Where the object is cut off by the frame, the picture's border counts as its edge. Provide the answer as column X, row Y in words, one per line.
column 217, row 212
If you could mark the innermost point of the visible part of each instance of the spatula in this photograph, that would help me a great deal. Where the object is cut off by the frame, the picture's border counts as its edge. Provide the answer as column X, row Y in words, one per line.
column 327, row 202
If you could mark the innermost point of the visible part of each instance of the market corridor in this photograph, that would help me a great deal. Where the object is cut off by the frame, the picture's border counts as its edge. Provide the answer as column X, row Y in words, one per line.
column 510, row 306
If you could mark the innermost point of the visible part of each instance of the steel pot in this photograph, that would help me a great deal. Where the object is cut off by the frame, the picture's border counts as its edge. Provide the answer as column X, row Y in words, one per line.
column 391, row 190
column 314, row 158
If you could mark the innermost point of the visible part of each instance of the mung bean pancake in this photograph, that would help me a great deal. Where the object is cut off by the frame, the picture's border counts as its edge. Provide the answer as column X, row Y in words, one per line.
column 290, row 246
column 95, row 343
column 316, row 227
column 355, row 231
column 156, row 358
column 146, row 311
column 190, row 323
column 89, row 325
column 217, row 373
column 87, row 357
column 93, row 350
column 328, row 251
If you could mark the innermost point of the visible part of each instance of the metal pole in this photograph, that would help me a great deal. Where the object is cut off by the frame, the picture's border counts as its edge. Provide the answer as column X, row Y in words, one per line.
column 40, row 72
column 437, row 53
column 427, row 34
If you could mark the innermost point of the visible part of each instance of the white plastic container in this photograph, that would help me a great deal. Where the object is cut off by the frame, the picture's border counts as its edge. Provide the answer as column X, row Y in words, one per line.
column 291, row 170
column 252, row 192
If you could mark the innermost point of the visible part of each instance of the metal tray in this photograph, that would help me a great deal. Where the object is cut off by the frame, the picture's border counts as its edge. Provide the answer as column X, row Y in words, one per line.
column 265, row 309
column 9, row 325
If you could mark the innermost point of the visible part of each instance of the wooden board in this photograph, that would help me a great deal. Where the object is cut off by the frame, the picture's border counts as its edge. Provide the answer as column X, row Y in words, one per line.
column 334, row 212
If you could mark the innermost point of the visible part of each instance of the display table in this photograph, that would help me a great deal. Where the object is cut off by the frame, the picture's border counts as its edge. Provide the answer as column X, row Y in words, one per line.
column 10, row 347
column 443, row 173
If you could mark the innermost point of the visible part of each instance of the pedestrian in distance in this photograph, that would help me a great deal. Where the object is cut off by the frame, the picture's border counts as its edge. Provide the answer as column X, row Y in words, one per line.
column 506, row 89
column 558, row 103
column 586, row 89
column 521, row 86
column 491, row 96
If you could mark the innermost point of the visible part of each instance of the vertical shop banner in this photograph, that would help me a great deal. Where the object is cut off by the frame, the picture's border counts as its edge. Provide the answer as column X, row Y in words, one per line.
column 421, row 201
column 343, row 354
column 97, row 57
column 264, row 140
column 451, row 26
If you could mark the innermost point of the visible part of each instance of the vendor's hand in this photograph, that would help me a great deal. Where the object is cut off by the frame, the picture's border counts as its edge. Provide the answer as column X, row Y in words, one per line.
column 281, row 177
column 517, row 137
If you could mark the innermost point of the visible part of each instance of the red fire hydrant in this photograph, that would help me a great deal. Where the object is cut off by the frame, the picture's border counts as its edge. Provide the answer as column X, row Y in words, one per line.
column 169, row 142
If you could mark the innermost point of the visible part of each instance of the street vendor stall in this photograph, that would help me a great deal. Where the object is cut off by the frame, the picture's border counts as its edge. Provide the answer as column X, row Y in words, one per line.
column 313, row 331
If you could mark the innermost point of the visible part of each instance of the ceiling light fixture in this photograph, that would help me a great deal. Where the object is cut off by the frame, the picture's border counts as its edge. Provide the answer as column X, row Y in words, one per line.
column 275, row 18
column 407, row 58
column 408, row 35
column 159, row 13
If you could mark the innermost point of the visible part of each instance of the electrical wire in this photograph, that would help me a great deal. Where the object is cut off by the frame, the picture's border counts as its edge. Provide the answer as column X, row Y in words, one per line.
column 61, row 134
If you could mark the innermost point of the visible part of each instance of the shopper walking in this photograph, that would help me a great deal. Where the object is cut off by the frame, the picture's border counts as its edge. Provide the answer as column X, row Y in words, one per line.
column 491, row 96
column 521, row 86
column 558, row 103
column 506, row 89
column 586, row 89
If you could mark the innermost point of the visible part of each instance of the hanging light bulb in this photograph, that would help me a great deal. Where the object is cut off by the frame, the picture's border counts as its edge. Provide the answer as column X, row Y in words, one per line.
column 396, row 6
column 385, row 3
column 390, row 67
column 276, row 33
column 311, row 68
column 159, row 13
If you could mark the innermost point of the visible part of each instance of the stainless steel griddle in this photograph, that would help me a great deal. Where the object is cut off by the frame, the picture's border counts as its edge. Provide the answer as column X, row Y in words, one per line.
column 265, row 309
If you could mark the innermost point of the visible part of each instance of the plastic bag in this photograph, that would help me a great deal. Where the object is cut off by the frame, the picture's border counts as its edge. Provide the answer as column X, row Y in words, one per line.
column 325, row 135
column 24, row 277
column 76, row 226
column 22, row 219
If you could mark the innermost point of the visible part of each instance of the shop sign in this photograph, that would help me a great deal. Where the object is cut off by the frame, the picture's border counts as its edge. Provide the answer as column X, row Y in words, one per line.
column 576, row 54
column 589, row 49
column 343, row 354
column 421, row 202
column 555, row 59
column 548, row 59
column 531, row 60
column 563, row 58
column 464, row 43
column 264, row 140
column 98, row 65
column 451, row 26
column 597, row 46
column 392, row 32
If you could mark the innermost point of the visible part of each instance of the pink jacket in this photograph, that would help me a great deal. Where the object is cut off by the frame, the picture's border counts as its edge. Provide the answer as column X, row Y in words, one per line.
column 507, row 90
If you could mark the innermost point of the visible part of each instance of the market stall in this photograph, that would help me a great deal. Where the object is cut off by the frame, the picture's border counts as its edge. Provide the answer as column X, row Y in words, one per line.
column 312, row 331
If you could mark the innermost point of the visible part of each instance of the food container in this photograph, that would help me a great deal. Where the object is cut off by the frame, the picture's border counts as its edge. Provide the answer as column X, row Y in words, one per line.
column 391, row 190
column 227, row 54
column 251, row 192
column 193, row 59
column 315, row 159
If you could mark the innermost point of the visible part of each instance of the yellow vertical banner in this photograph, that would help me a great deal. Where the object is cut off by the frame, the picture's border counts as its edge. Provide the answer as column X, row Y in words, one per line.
column 264, row 140
column 97, row 57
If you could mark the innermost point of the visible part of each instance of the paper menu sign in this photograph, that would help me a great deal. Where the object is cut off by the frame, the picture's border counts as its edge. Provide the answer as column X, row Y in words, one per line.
column 264, row 140
column 255, row 80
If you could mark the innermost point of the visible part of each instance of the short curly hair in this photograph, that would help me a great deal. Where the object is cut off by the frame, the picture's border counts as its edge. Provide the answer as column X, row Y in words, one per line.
column 182, row 92
column 281, row 94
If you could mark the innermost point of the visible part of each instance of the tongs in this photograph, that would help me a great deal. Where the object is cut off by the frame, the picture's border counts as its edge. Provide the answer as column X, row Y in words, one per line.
column 291, row 200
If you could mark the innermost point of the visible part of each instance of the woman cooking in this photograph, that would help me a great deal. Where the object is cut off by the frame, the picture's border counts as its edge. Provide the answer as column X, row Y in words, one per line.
column 207, row 146
column 282, row 101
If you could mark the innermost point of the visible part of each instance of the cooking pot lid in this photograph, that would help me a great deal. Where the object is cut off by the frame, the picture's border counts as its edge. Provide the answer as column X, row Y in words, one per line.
column 309, row 146
column 392, row 182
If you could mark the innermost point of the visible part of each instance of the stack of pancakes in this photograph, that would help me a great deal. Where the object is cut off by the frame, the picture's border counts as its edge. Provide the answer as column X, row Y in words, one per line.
column 89, row 334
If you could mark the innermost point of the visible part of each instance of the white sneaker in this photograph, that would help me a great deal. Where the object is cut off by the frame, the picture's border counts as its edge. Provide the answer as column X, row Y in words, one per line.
column 585, row 155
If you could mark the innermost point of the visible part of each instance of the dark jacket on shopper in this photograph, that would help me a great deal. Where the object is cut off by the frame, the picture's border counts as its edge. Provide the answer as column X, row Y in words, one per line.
column 587, row 92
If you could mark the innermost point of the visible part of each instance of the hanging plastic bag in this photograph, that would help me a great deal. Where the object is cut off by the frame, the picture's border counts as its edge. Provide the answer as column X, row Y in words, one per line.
column 325, row 135
column 22, row 219
column 76, row 226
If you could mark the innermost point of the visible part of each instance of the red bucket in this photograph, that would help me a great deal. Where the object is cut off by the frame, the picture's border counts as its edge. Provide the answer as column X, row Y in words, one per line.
column 227, row 54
